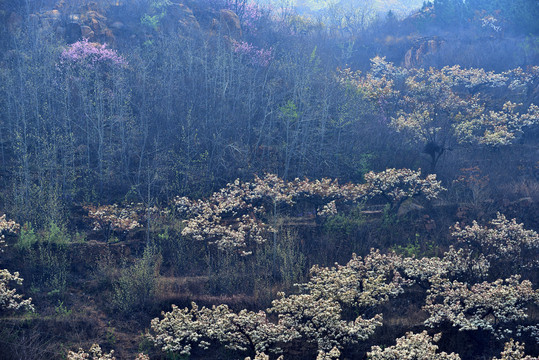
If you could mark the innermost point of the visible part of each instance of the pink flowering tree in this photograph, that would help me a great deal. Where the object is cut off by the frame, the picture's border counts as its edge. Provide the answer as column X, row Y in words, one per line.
column 252, row 54
column 94, row 77
column 84, row 53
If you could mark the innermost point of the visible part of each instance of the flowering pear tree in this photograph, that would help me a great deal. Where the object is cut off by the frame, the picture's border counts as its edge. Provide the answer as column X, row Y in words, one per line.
column 313, row 316
column 441, row 108
column 319, row 321
column 504, row 243
column 234, row 217
column 412, row 347
column 398, row 185
column 496, row 307
column 9, row 299
column 113, row 218
column 181, row 329
column 95, row 353
column 361, row 283
column 6, row 227
column 513, row 350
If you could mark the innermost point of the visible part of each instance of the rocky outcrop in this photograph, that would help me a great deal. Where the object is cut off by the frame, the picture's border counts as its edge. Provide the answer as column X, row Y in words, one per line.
column 421, row 48
column 104, row 24
column 228, row 24
column 182, row 19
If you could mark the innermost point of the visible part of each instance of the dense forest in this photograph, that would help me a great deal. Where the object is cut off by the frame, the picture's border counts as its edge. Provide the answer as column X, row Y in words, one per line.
column 278, row 179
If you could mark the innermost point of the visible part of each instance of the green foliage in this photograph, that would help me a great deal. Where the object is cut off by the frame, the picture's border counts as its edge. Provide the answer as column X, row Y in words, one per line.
column 156, row 12
column 289, row 112
column 389, row 217
column 47, row 257
column 61, row 310
column 151, row 21
column 344, row 224
column 416, row 248
column 57, row 235
column 137, row 284
column 27, row 237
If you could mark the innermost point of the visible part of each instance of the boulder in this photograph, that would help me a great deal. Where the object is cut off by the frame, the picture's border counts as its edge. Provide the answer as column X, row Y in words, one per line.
column 87, row 32
column 421, row 48
column 229, row 24
column 183, row 18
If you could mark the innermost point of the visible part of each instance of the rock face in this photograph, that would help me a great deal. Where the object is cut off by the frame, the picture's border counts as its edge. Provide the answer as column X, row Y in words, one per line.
column 72, row 23
column 228, row 24
column 421, row 48
column 181, row 18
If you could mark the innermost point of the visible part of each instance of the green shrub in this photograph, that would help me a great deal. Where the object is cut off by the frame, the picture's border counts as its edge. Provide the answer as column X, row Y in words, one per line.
column 137, row 284
column 27, row 237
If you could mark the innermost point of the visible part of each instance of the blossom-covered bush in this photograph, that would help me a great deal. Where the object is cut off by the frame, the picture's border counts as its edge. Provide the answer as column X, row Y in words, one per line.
column 320, row 321
column 181, row 329
column 397, row 185
column 513, row 350
column 496, row 306
column 115, row 218
column 316, row 315
column 9, row 299
column 361, row 283
column 503, row 242
column 412, row 347
column 95, row 353
column 7, row 226
column 90, row 54
column 253, row 55
column 232, row 218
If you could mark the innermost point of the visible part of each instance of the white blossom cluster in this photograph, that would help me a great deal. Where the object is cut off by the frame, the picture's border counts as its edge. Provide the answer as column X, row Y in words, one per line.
column 496, row 306
column 455, row 264
column 412, row 347
column 361, row 283
column 455, row 292
column 505, row 242
column 9, row 299
column 180, row 329
column 7, row 226
column 95, row 353
column 490, row 22
column 398, row 185
column 319, row 321
column 115, row 218
column 315, row 315
column 433, row 105
column 502, row 127
column 328, row 209
column 333, row 354
column 513, row 350
column 232, row 218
